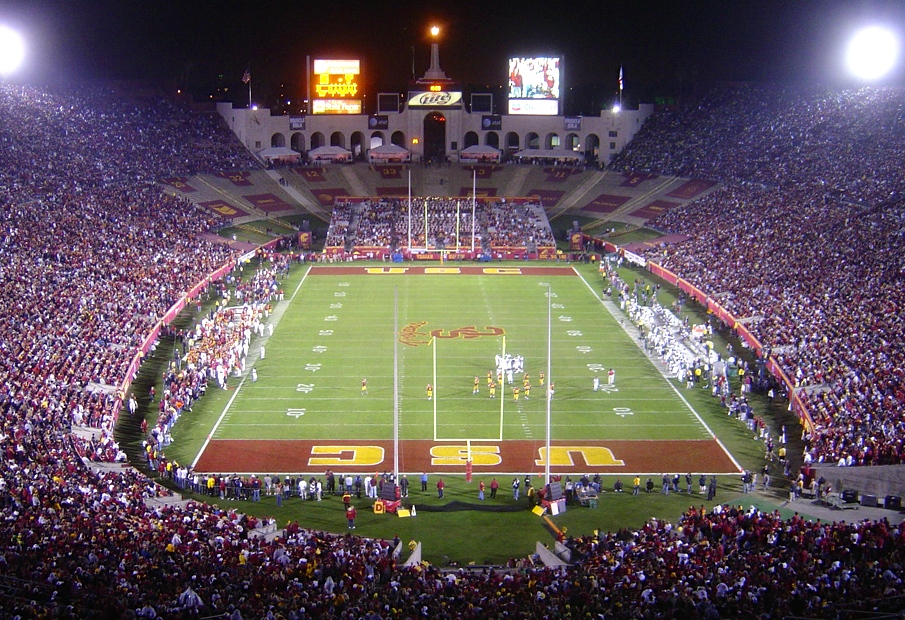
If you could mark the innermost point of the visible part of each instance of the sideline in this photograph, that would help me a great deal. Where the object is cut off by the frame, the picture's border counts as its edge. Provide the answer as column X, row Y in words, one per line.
column 620, row 317
column 275, row 321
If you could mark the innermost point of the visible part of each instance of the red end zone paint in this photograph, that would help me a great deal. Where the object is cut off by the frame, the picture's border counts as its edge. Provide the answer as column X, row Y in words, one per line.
column 490, row 457
column 417, row 270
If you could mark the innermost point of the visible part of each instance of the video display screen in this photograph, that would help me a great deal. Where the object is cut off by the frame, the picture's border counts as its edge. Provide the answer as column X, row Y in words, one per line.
column 535, row 85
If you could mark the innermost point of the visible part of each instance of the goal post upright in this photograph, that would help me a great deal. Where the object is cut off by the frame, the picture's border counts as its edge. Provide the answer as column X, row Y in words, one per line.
column 396, row 381
column 502, row 391
column 549, row 394
column 434, row 383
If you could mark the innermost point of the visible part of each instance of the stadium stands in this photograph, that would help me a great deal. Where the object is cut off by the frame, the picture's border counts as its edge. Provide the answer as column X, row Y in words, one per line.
column 384, row 224
column 94, row 254
column 805, row 241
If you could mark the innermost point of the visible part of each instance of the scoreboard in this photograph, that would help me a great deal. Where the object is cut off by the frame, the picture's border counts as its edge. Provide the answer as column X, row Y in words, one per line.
column 335, row 87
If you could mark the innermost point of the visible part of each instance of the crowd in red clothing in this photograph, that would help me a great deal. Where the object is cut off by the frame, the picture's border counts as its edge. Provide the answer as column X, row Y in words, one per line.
column 92, row 258
column 804, row 240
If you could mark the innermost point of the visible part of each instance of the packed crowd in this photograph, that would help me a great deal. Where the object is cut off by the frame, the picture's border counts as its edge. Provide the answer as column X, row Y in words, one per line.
column 91, row 260
column 804, row 240
column 64, row 140
column 702, row 566
column 843, row 143
column 389, row 223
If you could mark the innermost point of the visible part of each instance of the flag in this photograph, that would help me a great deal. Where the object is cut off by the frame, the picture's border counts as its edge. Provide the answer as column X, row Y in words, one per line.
column 620, row 77
column 246, row 77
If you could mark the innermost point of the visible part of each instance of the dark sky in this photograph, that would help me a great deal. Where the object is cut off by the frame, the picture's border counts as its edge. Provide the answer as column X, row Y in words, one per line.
column 664, row 46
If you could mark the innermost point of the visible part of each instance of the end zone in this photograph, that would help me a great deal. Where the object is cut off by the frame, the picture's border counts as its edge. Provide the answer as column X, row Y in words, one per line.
column 627, row 457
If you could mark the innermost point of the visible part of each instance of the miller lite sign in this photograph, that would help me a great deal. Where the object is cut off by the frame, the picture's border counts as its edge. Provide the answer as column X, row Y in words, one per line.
column 434, row 99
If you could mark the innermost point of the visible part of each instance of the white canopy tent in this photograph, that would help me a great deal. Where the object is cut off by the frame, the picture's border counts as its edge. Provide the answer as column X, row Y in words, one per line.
column 279, row 153
column 330, row 154
column 478, row 153
column 386, row 153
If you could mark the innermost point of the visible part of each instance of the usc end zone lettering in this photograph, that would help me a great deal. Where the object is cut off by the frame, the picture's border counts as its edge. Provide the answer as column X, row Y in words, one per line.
column 453, row 455
column 378, row 270
column 490, row 271
column 360, row 456
column 593, row 456
column 457, row 456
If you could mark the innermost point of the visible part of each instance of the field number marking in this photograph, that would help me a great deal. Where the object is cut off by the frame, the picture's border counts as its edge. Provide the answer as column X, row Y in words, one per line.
column 623, row 411
column 312, row 367
column 295, row 413
column 304, row 388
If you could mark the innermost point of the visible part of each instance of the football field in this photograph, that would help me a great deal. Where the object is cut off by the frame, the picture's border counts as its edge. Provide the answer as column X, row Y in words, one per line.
column 365, row 359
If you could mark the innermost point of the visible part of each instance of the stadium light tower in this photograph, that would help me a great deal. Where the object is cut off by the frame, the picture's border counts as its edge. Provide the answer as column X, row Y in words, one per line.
column 435, row 31
column 872, row 53
column 12, row 51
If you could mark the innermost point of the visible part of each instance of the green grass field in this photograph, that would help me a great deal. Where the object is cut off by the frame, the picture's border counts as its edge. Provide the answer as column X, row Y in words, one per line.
column 337, row 329
column 334, row 330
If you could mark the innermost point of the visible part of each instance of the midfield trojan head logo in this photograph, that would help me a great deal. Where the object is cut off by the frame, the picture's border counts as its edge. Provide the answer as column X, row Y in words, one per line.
column 413, row 335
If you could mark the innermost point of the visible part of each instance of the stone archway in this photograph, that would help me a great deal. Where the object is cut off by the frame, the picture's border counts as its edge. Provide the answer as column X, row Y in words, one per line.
column 435, row 136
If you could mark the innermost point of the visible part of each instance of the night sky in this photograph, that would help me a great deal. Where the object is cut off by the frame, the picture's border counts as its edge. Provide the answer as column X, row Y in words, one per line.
column 666, row 48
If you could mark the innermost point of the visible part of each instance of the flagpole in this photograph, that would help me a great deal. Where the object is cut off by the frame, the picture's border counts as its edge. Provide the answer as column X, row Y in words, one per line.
column 246, row 79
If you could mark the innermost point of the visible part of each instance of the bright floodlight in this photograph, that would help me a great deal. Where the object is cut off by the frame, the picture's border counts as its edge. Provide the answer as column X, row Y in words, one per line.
column 435, row 30
column 12, row 50
column 872, row 53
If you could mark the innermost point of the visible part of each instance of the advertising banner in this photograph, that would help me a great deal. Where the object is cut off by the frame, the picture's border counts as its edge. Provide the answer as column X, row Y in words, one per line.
column 492, row 122
column 434, row 99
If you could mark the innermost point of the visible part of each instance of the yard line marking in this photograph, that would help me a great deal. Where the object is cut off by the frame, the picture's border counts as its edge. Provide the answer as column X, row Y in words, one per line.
column 210, row 435
column 223, row 416
column 611, row 308
column 302, row 281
